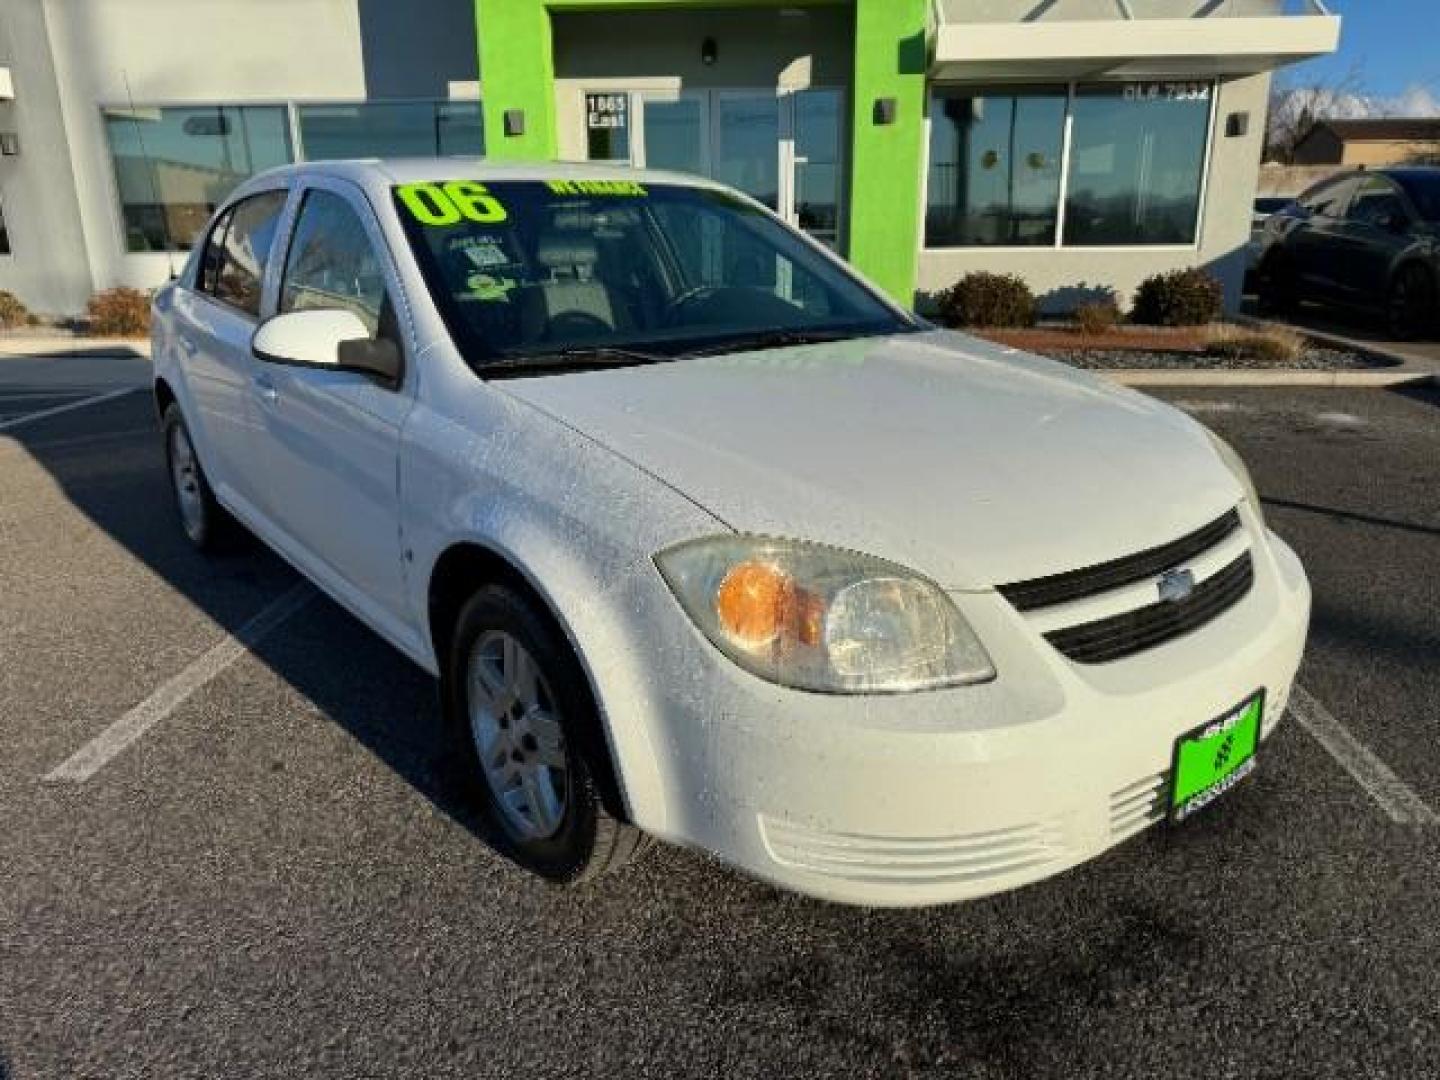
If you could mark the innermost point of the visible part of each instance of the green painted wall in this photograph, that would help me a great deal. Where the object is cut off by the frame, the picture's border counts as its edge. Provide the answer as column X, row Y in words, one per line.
column 517, row 70
column 891, row 59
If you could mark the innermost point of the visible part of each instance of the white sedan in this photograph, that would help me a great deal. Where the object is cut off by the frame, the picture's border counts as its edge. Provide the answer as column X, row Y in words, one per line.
column 706, row 540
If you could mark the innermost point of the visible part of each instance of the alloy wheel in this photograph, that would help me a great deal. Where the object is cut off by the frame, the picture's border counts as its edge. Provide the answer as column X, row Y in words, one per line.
column 517, row 735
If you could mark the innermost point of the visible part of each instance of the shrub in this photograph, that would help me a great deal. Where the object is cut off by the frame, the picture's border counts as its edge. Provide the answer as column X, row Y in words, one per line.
column 1097, row 318
column 12, row 312
column 118, row 313
column 1180, row 298
column 1273, row 347
column 983, row 299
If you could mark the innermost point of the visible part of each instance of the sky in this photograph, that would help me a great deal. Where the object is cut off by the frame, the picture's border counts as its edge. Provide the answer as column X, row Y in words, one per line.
column 1393, row 46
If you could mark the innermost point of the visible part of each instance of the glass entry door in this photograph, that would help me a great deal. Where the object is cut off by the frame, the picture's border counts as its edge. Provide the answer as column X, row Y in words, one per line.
column 783, row 149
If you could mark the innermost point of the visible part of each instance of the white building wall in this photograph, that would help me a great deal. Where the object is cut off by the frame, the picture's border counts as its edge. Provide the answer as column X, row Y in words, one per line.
column 233, row 52
column 46, row 267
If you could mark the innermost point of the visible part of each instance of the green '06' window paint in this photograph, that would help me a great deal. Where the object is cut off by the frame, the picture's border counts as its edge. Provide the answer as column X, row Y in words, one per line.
column 451, row 203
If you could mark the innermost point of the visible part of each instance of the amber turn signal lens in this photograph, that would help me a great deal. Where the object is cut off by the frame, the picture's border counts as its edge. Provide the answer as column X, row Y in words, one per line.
column 751, row 602
column 757, row 602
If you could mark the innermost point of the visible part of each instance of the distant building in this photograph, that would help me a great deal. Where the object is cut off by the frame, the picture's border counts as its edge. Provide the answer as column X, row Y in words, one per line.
column 1389, row 141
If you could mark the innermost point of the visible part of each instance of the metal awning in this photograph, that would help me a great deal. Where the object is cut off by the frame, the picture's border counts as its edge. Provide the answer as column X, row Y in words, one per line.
column 1125, row 39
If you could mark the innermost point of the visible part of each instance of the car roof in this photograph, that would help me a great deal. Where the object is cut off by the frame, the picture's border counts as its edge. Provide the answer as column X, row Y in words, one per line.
column 377, row 174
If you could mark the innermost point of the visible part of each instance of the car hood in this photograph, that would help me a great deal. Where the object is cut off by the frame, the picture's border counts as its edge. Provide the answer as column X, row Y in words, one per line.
column 969, row 462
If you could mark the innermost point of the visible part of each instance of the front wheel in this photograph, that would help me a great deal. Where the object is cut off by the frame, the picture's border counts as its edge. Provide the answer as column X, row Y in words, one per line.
column 1410, row 304
column 518, row 709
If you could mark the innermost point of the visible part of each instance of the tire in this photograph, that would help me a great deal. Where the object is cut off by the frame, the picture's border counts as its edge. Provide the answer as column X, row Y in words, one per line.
column 207, row 525
column 1410, row 304
column 527, row 759
column 1277, row 289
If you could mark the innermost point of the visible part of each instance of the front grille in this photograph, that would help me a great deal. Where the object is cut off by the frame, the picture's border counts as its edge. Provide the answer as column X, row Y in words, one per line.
column 1134, row 631
column 1077, row 584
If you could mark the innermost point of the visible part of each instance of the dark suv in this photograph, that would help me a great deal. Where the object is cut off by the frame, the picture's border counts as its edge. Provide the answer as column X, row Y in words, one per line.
column 1366, row 239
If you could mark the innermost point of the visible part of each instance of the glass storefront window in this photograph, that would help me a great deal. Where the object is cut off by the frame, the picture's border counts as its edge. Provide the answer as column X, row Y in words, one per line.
column 1000, row 170
column 390, row 129
column 995, row 168
column 173, row 166
column 1137, row 152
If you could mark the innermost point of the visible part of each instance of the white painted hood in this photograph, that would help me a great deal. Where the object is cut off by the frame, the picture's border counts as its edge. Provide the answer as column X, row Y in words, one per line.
column 974, row 464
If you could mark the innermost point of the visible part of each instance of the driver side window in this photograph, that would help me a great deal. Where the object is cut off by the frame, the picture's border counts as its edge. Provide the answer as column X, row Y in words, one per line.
column 331, row 263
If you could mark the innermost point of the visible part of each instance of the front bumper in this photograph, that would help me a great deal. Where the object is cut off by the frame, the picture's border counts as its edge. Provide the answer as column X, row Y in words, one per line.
column 940, row 796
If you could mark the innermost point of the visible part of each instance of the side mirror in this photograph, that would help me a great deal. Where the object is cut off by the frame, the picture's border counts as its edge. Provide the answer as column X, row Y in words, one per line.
column 337, row 340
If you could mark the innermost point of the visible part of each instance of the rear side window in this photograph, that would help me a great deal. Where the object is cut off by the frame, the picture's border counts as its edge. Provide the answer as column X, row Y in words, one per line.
column 234, row 268
column 331, row 263
column 1376, row 202
column 1328, row 200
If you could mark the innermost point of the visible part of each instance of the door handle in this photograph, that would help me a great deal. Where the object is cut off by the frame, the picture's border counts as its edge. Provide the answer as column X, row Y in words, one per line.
column 266, row 390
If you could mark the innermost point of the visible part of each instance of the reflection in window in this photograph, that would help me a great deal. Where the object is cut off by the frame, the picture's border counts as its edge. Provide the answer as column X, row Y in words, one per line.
column 173, row 166
column 995, row 168
column 391, row 129
column 331, row 264
column 1135, row 164
column 246, row 246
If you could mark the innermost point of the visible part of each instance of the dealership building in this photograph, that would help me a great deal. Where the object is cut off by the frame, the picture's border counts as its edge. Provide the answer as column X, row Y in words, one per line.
column 1083, row 144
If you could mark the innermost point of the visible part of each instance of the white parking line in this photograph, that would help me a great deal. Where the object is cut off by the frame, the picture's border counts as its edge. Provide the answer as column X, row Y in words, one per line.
column 100, row 751
column 1393, row 795
column 45, row 414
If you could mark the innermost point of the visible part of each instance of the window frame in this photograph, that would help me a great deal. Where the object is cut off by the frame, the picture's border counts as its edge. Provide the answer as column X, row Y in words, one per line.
column 1071, row 87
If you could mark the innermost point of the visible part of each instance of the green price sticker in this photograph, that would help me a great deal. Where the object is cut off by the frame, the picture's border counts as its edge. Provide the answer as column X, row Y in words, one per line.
column 451, row 203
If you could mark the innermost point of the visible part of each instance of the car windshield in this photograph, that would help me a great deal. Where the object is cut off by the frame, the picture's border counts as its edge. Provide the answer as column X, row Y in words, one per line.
column 1424, row 192
column 535, row 274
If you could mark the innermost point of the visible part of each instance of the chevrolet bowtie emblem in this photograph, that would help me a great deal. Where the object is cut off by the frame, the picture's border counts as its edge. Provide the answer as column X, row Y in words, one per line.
column 1176, row 585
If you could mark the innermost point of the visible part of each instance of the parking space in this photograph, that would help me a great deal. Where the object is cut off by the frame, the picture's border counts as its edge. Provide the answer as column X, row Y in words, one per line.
column 273, row 876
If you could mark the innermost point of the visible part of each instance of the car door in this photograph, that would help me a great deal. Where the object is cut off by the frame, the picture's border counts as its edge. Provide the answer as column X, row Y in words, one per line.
column 1378, row 226
column 1318, row 243
column 216, row 317
column 331, row 438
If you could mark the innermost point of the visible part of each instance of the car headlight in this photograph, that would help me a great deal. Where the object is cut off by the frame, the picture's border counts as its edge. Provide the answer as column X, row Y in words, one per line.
column 1235, row 465
column 820, row 618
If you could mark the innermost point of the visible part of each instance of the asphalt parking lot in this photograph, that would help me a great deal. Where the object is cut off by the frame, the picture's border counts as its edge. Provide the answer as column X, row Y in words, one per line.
column 274, row 879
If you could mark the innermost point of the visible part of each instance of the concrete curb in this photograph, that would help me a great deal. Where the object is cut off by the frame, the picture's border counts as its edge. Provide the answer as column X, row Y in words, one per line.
column 1399, row 376
column 39, row 348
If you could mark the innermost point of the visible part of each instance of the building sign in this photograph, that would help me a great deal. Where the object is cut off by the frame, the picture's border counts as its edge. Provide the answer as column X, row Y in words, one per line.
column 607, row 111
column 1167, row 91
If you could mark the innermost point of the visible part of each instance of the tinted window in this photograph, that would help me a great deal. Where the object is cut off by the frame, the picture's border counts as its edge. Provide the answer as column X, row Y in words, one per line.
column 391, row 129
column 247, row 243
column 331, row 264
column 173, row 166
column 1377, row 202
column 521, row 267
column 1424, row 192
column 1136, row 158
column 994, row 176
column 214, row 255
column 1328, row 200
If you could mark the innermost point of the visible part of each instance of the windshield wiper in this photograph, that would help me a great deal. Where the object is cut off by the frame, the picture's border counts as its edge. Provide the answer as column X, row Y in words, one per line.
column 776, row 339
column 570, row 358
